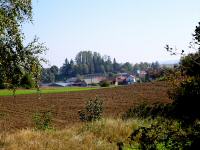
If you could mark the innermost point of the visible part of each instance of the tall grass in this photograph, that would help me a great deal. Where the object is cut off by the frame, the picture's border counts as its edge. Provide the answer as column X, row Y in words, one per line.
column 101, row 135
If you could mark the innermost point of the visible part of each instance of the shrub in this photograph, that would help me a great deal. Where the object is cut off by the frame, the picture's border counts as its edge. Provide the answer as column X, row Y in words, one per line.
column 186, row 98
column 43, row 120
column 165, row 134
column 94, row 84
column 27, row 81
column 93, row 110
column 2, row 86
column 145, row 110
column 104, row 83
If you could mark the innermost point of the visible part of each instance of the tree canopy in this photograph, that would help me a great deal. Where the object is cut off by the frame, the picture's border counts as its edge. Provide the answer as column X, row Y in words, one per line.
column 16, row 59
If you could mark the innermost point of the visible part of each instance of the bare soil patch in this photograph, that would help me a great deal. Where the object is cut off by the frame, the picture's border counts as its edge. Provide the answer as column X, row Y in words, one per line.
column 17, row 113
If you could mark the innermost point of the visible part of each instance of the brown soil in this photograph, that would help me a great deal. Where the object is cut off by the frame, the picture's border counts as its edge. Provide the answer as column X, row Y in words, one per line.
column 18, row 113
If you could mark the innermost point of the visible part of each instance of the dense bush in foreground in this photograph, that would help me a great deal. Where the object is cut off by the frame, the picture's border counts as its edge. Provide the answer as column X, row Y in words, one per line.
column 166, row 135
column 93, row 110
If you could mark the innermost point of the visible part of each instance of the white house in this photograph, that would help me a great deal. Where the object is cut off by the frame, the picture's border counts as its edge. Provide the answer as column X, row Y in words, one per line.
column 131, row 79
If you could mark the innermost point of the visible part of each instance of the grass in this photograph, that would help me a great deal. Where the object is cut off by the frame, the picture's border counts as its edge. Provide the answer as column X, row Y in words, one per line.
column 101, row 135
column 45, row 90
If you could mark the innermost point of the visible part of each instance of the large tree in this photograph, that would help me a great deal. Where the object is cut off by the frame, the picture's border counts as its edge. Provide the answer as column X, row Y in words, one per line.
column 15, row 58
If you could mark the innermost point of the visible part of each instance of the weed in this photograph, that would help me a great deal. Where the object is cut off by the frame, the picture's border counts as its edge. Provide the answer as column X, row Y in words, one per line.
column 43, row 120
column 93, row 110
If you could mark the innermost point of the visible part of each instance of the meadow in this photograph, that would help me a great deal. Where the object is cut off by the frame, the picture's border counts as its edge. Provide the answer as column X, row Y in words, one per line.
column 45, row 90
column 100, row 135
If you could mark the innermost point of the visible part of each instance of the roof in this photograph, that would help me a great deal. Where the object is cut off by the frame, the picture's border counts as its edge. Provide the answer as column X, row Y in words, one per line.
column 73, row 79
column 61, row 84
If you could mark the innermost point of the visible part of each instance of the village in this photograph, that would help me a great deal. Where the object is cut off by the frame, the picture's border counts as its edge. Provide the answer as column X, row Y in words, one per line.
column 97, row 79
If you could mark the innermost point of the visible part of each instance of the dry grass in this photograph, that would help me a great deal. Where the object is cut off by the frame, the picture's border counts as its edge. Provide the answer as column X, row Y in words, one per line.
column 99, row 135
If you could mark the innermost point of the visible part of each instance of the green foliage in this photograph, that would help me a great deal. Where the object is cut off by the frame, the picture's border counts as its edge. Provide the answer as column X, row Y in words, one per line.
column 15, row 58
column 2, row 86
column 186, row 98
column 93, row 110
column 104, row 83
column 43, row 120
column 27, row 81
column 190, row 64
column 49, row 75
column 94, row 84
column 127, row 67
column 185, row 91
column 163, row 134
column 167, row 133
column 145, row 110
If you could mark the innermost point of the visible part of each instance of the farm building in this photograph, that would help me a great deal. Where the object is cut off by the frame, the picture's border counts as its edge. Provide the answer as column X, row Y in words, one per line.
column 58, row 84
column 130, row 79
column 93, row 79
column 124, row 79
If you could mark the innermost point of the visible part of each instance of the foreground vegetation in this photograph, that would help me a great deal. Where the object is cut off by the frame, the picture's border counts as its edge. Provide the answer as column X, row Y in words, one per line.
column 45, row 90
column 109, row 134
column 102, row 134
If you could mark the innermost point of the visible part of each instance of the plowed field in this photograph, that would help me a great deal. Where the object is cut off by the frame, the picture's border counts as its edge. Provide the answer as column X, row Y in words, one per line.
column 17, row 113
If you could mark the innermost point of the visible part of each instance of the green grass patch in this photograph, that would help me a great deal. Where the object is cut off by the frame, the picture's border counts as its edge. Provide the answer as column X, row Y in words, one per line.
column 45, row 90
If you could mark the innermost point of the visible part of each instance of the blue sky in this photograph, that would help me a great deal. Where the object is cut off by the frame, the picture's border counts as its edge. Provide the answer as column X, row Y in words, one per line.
column 129, row 30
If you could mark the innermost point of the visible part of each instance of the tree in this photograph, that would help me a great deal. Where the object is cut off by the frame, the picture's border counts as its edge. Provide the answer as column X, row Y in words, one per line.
column 27, row 81
column 116, row 66
column 15, row 58
column 54, row 69
column 2, row 86
column 186, row 89
column 127, row 67
column 50, row 75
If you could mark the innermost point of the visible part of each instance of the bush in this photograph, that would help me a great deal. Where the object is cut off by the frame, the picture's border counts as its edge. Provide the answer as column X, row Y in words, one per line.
column 104, row 83
column 2, row 86
column 145, row 110
column 94, row 84
column 186, row 98
column 27, row 81
column 93, row 110
column 43, row 120
column 165, row 134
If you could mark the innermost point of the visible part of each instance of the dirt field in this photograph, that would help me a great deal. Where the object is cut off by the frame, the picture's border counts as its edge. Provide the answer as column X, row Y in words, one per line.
column 17, row 113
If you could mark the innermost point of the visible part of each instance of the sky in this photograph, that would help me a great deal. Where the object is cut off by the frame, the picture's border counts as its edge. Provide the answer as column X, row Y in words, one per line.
column 128, row 30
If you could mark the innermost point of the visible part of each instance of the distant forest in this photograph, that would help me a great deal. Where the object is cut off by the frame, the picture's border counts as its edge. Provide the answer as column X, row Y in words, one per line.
column 87, row 62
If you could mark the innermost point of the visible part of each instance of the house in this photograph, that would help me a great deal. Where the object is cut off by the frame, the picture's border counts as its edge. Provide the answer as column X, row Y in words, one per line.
column 124, row 79
column 93, row 79
column 71, row 80
column 130, row 79
column 120, row 80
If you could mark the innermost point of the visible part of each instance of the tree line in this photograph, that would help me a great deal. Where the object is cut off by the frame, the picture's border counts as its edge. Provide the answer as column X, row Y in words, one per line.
column 88, row 62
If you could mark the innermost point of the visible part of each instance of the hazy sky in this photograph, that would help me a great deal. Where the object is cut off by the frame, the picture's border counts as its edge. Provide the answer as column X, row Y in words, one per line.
column 129, row 30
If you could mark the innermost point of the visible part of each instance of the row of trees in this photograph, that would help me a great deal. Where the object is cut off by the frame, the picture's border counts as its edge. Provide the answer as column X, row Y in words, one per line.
column 87, row 62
